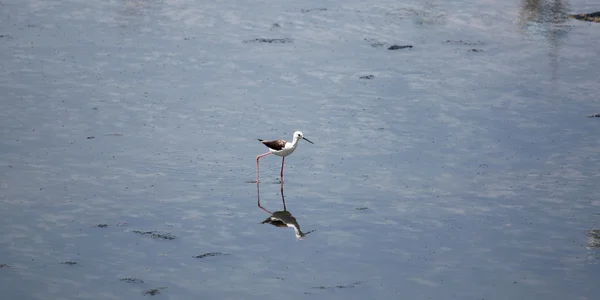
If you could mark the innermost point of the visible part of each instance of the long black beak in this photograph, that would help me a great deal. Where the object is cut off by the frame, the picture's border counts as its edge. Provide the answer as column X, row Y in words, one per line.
column 307, row 140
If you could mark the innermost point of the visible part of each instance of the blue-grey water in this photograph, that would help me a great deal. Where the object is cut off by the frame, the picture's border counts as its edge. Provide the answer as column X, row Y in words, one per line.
column 465, row 168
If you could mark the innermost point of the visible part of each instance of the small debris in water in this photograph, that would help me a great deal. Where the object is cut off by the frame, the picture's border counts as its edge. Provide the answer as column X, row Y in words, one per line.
column 475, row 50
column 270, row 41
column 396, row 47
column 367, row 77
column 91, row 137
column 4, row 266
column 157, row 235
column 362, row 208
column 70, row 263
column 209, row 254
column 102, row 225
column 594, row 116
column 131, row 280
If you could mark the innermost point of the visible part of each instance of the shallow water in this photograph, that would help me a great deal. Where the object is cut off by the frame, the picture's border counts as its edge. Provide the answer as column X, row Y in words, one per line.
column 465, row 168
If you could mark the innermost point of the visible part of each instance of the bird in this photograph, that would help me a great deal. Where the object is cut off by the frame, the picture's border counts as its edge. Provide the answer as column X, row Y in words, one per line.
column 280, row 148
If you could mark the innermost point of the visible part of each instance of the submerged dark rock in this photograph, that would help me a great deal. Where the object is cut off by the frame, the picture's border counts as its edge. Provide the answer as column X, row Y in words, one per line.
column 312, row 9
column 591, row 17
column 131, row 280
column 344, row 286
column 210, row 254
column 270, row 41
column 397, row 47
column 157, row 235
column 151, row 292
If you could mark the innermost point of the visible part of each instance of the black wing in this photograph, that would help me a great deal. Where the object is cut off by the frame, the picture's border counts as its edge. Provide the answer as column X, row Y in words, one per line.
column 274, row 144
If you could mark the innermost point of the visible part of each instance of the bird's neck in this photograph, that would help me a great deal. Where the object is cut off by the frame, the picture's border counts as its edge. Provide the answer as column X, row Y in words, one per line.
column 295, row 141
column 299, row 234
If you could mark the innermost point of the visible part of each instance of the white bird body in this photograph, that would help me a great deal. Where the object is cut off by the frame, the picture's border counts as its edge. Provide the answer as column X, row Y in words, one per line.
column 284, row 148
column 287, row 149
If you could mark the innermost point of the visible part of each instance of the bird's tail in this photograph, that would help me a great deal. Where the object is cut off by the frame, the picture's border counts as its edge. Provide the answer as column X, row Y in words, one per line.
column 260, row 140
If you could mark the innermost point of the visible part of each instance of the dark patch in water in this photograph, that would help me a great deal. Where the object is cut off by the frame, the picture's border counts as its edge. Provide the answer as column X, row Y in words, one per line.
column 157, row 235
column 312, row 9
column 594, row 116
column 397, row 47
column 475, row 50
column 339, row 286
column 70, row 263
column 210, row 254
column 91, row 137
column 270, row 41
column 4, row 266
column 131, row 280
column 591, row 17
column 377, row 44
column 367, row 77
column 362, row 208
column 374, row 43
column 102, row 225
column 461, row 42
column 153, row 292
column 7, row 36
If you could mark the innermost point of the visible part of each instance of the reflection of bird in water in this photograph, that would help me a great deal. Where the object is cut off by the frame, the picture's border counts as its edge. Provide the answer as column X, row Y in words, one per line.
column 285, row 219
column 545, row 18
column 282, row 218
column 280, row 148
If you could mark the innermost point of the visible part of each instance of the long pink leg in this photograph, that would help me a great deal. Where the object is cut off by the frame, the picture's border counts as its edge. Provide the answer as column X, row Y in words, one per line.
column 281, row 174
column 257, row 166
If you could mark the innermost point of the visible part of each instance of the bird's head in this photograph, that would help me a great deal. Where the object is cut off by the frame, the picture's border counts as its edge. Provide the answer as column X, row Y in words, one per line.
column 298, row 135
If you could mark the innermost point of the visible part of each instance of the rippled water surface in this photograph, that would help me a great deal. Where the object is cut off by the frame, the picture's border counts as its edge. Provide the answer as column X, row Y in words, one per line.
column 461, row 168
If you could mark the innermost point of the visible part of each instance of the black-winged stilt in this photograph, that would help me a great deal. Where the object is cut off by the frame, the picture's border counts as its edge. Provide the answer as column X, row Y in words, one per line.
column 280, row 148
